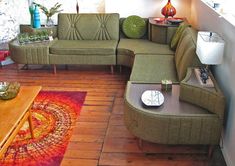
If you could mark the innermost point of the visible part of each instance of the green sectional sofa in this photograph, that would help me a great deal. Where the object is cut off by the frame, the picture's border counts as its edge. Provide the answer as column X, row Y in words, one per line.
column 98, row 39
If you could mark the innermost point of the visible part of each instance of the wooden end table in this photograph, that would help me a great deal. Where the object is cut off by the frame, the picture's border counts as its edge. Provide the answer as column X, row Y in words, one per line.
column 14, row 113
column 161, row 32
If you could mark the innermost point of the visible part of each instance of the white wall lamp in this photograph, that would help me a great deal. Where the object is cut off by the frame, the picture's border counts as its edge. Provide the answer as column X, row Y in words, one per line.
column 210, row 50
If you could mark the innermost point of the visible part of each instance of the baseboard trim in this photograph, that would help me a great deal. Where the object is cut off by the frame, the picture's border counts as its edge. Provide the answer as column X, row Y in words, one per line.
column 227, row 157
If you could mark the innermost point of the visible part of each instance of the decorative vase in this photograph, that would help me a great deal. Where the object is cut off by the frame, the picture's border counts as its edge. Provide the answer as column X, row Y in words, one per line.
column 49, row 22
column 77, row 8
column 36, row 18
column 31, row 11
column 168, row 10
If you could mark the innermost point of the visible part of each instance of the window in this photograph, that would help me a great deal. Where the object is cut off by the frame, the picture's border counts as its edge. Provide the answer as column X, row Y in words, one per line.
column 225, row 8
column 228, row 7
column 222, row 6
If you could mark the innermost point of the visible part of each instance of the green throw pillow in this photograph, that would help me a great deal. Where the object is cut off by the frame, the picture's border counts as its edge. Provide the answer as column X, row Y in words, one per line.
column 176, row 37
column 134, row 27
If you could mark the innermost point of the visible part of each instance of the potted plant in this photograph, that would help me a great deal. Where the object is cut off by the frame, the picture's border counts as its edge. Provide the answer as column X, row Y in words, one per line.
column 49, row 13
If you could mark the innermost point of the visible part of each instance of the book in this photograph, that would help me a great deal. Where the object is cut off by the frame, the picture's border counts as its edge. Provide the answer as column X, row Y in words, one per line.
column 3, row 54
column 7, row 61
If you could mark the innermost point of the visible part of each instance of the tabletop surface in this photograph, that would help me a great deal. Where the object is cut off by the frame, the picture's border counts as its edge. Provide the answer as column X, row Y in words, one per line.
column 12, row 111
column 171, row 106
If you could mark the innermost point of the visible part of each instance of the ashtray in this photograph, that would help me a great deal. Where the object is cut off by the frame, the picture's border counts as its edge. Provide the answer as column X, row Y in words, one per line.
column 159, row 19
column 152, row 98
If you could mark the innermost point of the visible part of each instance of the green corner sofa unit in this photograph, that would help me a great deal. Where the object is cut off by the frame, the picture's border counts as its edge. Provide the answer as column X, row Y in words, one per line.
column 98, row 39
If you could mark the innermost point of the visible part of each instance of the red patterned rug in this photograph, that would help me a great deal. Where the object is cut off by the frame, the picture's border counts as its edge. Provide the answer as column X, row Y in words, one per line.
column 54, row 115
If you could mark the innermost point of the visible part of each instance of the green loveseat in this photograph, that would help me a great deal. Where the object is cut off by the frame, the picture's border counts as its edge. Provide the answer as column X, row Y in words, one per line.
column 80, row 39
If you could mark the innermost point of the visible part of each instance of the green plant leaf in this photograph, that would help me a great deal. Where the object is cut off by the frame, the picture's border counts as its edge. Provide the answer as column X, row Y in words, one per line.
column 53, row 10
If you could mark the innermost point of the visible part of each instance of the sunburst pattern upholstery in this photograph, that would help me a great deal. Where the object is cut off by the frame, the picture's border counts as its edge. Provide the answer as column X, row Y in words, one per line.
column 88, row 26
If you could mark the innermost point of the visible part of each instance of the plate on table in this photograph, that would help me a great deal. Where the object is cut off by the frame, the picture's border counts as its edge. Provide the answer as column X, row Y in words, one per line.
column 175, row 20
column 152, row 98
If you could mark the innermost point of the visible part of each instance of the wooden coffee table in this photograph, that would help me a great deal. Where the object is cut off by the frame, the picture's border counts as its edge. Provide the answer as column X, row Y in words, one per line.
column 14, row 113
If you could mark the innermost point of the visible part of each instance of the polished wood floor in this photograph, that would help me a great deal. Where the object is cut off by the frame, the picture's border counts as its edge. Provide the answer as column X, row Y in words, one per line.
column 100, row 136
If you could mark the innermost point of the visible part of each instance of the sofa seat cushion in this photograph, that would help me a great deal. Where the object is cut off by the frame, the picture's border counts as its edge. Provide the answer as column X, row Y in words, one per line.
column 84, row 47
column 153, row 69
column 142, row 46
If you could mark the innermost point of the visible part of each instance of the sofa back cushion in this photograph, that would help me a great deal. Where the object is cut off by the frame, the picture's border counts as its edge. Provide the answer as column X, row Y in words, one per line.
column 185, row 55
column 88, row 26
column 178, row 33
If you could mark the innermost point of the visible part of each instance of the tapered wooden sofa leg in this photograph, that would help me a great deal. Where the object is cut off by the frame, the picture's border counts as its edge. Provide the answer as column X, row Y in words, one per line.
column 18, row 67
column 66, row 67
column 140, row 143
column 25, row 67
column 54, row 68
column 111, row 67
column 210, row 151
column 120, row 68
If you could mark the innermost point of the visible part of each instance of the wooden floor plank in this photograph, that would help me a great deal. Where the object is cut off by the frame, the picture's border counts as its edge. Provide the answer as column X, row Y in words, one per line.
column 87, row 131
column 79, row 162
column 118, row 131
column 116, row 119
column 121, row 145
column 98, row 118
column 95, row 125
column 84, row 146
column 118, row 109
column 94, row 113
column 87, row 138
column 78, row 154
column 97, row 108
column 133, row 159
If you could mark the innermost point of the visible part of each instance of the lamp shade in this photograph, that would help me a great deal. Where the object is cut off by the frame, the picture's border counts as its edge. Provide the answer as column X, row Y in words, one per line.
column 210, row 48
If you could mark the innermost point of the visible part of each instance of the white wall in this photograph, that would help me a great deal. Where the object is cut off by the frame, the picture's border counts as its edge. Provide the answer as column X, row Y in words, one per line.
column 9, row 16
column 15, row 12
column 204, row 18
column 146, row 8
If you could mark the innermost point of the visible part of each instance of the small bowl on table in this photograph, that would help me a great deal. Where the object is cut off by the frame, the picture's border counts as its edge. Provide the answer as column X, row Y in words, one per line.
column 175, row 20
